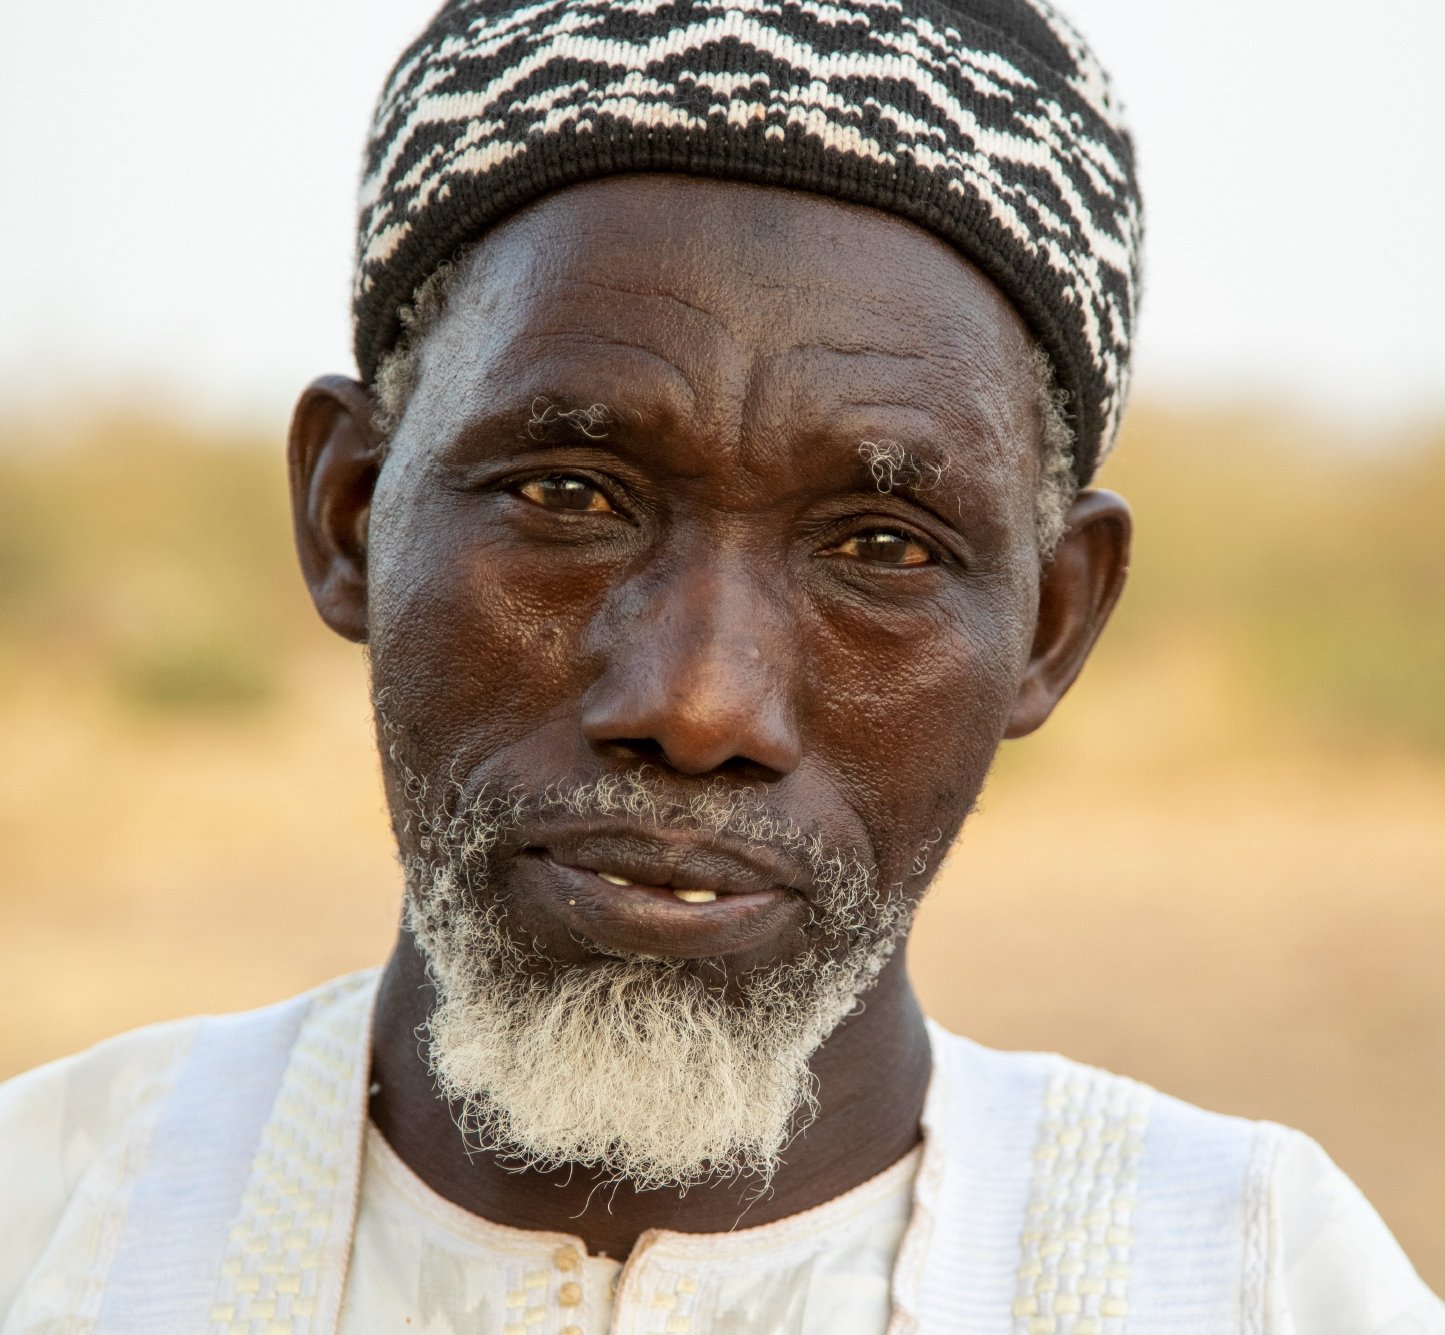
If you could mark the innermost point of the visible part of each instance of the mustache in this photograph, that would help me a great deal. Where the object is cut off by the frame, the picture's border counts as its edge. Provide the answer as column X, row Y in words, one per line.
column 641, row 797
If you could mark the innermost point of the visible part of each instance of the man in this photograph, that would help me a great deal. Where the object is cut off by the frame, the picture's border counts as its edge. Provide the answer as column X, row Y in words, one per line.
column 712, row 504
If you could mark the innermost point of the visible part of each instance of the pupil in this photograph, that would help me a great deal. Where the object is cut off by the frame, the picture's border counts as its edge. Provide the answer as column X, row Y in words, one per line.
column 572, row 493
column 883, row 546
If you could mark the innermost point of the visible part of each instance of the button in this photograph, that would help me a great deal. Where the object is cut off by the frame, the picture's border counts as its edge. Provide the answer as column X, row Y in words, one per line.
column 566, row 1258
column 570, row 1295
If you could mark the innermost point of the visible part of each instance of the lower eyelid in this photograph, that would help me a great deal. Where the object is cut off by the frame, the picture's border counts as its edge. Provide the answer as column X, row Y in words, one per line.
column 933, row 562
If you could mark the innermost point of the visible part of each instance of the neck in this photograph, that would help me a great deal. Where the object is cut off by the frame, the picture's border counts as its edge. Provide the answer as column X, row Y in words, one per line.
column 872, row 1073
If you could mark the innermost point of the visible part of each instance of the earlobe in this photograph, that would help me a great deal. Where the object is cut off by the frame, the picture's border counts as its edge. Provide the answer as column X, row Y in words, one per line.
column 334, row 456
column 1077, row 592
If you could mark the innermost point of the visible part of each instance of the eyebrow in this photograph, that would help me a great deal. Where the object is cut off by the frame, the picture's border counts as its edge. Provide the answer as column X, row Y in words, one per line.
column 894, row 468
column 591, row 421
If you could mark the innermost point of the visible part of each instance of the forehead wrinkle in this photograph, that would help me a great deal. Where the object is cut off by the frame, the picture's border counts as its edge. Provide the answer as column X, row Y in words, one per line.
column 993, row 414
column 501, row 391
column 669, row 315
column 940, row 399
column 677, row 378
column 696, row 344
column 835, row 347
column 516, row 273
column 656, row 294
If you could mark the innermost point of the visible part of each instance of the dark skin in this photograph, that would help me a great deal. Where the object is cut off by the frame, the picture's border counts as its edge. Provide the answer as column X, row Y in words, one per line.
column 710, row 583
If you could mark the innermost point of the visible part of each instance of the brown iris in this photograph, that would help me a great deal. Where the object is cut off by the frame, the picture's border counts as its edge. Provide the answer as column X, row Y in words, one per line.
column 887, row 547
column 562, row 491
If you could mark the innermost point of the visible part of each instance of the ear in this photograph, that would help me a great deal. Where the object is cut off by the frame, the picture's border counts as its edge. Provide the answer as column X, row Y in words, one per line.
column 334, row 456
column 1077, row 591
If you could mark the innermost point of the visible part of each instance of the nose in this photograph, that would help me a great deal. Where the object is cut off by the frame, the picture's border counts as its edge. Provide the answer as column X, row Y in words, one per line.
column 699, row 676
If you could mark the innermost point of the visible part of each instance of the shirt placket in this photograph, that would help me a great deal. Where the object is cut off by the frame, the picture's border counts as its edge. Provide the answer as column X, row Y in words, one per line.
column 558, row 1294
column 655, row 1296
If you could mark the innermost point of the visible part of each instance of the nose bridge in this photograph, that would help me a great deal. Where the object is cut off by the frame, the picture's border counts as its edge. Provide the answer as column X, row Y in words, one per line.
column 699, row 669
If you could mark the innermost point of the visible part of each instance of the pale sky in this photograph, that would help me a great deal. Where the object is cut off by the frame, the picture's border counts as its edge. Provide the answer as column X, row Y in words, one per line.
column 178, row 215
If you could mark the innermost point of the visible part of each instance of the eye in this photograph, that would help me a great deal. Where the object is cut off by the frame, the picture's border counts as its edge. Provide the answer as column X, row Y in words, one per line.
column 564, row 491
column 885, row 547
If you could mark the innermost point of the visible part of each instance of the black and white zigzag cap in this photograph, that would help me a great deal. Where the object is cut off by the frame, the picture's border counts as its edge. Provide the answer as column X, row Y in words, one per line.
column 989, row 122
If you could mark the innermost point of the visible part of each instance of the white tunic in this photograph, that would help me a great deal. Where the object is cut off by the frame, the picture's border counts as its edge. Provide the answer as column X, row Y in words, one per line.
column 213, row 1175
column 419, row 1262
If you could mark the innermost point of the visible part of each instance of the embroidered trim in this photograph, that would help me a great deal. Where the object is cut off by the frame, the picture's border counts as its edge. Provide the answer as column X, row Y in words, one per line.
column 296, row 1208
column 106, row 1192
column 912, row 1260
column 1258, row 1231
column 1073, row 1276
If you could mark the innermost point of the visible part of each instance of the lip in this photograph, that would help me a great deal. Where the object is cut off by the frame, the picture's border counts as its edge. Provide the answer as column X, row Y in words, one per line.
column 758, row 897
column 667, row 859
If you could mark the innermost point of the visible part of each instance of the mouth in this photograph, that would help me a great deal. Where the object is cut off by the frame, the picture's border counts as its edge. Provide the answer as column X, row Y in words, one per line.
column 694, row 870
column 665, row 893
column 688, row 896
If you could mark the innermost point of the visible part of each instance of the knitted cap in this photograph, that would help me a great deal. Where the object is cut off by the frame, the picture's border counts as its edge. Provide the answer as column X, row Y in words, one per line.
column 988, row 122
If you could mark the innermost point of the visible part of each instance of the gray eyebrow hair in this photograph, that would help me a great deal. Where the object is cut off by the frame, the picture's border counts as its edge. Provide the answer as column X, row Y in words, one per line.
column 892, row 466
column 592, row 421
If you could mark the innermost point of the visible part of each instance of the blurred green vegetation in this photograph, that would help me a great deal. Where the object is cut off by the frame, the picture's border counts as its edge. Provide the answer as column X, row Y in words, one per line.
column 1312, row 564
column 150, row 561
column 154, row 563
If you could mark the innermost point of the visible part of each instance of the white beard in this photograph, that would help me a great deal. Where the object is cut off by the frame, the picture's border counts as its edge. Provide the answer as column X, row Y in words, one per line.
column 636, row 1067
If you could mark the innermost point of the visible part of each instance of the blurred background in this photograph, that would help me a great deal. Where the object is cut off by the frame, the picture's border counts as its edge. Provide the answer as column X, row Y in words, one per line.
column 1220, row 868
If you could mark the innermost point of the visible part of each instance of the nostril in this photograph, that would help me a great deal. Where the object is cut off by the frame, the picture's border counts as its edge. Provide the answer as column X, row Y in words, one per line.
column 638, row 750
column 645, row 751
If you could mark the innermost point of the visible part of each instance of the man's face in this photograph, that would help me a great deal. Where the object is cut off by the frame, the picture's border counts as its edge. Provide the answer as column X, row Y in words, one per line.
column 791, row 557
column 702, row 580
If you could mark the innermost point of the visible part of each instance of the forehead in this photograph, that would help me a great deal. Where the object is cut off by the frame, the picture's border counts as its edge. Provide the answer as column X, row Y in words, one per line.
column 739, row 307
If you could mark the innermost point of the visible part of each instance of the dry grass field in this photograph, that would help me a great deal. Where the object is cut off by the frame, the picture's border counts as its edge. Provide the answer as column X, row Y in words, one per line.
column 1220, row 868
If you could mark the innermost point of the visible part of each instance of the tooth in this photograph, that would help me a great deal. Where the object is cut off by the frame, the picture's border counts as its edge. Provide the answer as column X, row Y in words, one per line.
column 611, row 879
column 696, row 896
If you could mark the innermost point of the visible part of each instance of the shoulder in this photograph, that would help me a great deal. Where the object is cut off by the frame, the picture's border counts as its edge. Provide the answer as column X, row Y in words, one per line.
column 1175, row 1170
column 1336, row 1267
column 162, row 1112
column 58, row 1121
column 1130, row 1200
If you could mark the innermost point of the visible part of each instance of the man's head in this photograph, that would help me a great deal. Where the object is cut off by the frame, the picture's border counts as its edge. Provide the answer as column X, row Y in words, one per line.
column 700, row 560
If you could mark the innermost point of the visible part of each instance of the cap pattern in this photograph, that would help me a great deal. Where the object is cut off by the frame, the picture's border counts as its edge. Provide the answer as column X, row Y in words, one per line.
column 988, row 122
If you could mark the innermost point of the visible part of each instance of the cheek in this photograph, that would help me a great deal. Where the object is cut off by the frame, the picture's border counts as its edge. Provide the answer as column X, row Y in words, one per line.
column 914, row 715
column 473, row 642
